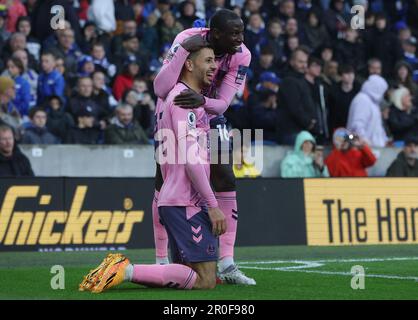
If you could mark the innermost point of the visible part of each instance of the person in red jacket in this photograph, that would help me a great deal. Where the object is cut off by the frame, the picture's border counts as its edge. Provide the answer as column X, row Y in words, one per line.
column 350, row 156
column 125, row 80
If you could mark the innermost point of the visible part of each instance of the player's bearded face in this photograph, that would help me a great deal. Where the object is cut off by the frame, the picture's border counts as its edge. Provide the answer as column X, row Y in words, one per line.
column 205, row 66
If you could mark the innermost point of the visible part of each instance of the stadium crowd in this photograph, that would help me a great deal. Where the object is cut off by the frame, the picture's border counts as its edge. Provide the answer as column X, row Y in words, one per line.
column 311, row 74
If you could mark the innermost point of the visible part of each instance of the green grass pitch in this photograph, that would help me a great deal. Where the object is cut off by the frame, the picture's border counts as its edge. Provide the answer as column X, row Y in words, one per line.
column 281, row 272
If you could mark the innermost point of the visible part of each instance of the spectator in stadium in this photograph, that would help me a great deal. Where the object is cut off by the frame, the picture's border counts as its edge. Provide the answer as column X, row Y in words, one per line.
column 69, row 50
column 124, row 129
column 403, row 78
column 243, row 168
column 8, row 112
column 316, row 33
column 330, row 73
column 29, row 75
column 102, row 95
column 254, row 33
column 263, row 64
column 381, row 43
column 85, row 66
column 13, row 163
column 143, row 104
column 374, row 66
column 169, row 28
column 406, row 163
column 287, row 10
column 349, row 50
column 24, row 26
column 100, row 60
column 263, row 107
column 403, row 116
column 129, row 29
column 132, row 47
column 37, row 132
column 58, row 122
column 187, row 11
column 90, row 37
column 351, row 155
column 102, row 14
column 364, row 117
column 409, row 52
column 340, row 97
column 50, row 81
column 335, row 19
column 16, row 42
column 273, row 37
column 86, row 130
column 84, row 99
column 125, row 80
column 320, row 97
column 297, row 108
column 22, row 97
column 305, row 161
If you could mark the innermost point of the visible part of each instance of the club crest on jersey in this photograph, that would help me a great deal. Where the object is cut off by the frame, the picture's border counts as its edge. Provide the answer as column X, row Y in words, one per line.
column 191, row 119
column 172, row 52
column 242, row 72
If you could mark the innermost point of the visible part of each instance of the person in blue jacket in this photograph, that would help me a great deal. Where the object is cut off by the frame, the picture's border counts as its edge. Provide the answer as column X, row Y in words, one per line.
column 22, row 99
column 50, row 81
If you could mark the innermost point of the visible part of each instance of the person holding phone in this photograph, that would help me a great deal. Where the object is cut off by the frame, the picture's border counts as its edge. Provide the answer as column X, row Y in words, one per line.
column 306, row 161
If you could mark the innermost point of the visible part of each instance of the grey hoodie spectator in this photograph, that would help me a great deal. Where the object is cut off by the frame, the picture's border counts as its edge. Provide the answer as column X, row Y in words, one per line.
column 364, row 117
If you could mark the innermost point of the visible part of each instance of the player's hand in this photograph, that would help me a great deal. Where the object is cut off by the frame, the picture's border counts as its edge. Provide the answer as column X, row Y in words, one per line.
column 217, row 218
column 189, row 99
column 194, row 43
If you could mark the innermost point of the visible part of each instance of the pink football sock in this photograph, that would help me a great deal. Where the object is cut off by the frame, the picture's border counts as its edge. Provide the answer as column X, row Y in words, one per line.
column 227, row 202
column 160, row 234
column 170, row 275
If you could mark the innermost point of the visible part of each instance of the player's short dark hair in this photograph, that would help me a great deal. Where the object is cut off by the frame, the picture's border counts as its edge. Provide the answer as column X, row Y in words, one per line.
column 194, row 54
column 345, row 68
column 221, row 18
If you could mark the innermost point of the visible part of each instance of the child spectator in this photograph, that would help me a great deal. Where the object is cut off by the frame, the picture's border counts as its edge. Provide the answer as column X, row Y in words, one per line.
column 29, row 75
column 37, row 132
column 100, row 61
column 24, row 26
column 58, row 122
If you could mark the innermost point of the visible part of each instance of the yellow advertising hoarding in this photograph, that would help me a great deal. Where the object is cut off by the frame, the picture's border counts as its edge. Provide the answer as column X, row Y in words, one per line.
column 361, row 211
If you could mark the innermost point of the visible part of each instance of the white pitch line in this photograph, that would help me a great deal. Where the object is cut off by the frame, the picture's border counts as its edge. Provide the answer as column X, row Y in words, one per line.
column 318, row 263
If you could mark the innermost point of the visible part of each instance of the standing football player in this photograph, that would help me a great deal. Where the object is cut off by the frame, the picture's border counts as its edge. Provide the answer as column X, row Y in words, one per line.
column 187, row 205
column 233, row 58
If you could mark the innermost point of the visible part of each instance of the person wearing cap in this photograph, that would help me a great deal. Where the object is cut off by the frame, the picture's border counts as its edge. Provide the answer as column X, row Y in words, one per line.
column 350, row 156
column 304, row 161
column 8, row 112
column 125, row 80
column 262, row 106
column 131, row 47
column 403, row 115
column 406, row 163
column 409, row 52
column 85, row 131
column 381, row 43
column 85, row 66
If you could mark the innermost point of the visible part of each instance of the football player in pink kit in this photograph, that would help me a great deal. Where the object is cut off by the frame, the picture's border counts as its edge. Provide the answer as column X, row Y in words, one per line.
column 187, row 205
column 233, row 59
